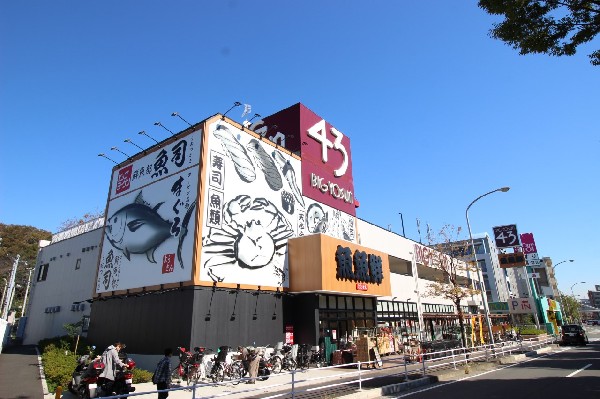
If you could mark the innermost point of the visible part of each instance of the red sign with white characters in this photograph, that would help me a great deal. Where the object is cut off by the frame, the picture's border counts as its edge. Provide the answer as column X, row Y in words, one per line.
column 124, row 180
column 168, row 263
column 362, row 287
column 326, row 157
column 528, row 243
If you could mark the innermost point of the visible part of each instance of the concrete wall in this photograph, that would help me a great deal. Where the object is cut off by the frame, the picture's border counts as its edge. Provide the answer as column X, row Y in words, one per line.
column 64, row 285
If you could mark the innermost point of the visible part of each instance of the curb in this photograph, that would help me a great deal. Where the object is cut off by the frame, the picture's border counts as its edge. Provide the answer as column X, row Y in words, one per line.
column 522, row 356
column 391, row 389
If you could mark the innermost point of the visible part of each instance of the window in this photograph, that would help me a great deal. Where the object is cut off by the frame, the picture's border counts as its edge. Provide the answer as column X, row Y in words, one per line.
column 482, row 265
column 43, row 272
column 78, row 264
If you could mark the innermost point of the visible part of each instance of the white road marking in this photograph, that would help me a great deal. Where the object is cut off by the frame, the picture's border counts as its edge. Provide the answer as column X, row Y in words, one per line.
column 581, row 369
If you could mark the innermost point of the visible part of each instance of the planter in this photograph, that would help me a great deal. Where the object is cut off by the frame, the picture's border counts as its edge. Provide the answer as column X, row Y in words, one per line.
column 534, row 337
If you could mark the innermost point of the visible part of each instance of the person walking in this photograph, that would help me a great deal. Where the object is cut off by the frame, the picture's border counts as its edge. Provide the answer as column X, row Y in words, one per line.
column 162, row 374
column 110, row 358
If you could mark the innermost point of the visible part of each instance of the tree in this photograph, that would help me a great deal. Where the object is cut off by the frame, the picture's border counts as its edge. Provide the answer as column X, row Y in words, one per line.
column 571, row 308
column 74, row 222
column 22, row 240
column 451, row 282
column 553, row 27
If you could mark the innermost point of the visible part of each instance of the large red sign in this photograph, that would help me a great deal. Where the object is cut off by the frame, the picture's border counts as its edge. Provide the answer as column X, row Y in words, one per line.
column 325, row 152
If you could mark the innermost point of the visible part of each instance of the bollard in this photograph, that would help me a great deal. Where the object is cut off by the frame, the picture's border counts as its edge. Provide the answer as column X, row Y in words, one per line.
column 423, row 360
column 293, row 378
column 194, row 391
column 359, row 378
column 453, row 361
column 58, row 393
column 405, row 370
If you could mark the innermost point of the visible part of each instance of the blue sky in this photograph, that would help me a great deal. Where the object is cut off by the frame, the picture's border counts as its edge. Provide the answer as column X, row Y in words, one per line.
column 437, row 112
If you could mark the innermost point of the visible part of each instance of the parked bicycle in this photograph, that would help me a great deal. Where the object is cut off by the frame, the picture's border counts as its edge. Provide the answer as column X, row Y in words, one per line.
column 225, row 367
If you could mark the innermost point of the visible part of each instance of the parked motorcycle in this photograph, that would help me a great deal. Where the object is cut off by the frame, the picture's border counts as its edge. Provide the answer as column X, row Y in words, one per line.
column 82, row 364
column 86, row 386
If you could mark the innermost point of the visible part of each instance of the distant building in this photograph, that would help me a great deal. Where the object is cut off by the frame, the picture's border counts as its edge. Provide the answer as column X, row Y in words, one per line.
column 63, row 282
column 594, row 297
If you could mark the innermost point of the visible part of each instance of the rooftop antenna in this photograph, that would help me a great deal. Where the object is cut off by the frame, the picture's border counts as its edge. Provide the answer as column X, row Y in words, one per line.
column 163, row 126
column 180, row 117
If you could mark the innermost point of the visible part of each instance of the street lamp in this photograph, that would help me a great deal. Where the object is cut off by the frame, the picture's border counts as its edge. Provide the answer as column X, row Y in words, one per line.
column 562, row 261
column 572, row 294
column 488, row 322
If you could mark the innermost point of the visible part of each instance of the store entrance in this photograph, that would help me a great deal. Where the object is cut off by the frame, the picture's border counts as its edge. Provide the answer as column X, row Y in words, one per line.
column 341, row 317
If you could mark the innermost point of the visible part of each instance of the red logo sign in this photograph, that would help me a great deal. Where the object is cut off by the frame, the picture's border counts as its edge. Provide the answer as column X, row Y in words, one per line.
column 124, row 180
column 168, row 263
column 362, row 287
column 528, row 243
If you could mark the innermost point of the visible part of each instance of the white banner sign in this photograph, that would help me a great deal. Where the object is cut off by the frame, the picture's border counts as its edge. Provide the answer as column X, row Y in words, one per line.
column 521, row 305
column 532, row 259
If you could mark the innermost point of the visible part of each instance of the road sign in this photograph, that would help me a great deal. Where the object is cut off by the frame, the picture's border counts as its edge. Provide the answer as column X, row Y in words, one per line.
column 533, row 275
column 506, row 236
column 532, row 259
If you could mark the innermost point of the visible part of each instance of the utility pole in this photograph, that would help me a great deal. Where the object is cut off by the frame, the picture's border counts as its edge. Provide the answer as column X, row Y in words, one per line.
column 26, row 291
column 11, row 288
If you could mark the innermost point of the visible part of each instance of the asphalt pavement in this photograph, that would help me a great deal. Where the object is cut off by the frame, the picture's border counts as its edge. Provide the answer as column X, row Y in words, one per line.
column 20, row 376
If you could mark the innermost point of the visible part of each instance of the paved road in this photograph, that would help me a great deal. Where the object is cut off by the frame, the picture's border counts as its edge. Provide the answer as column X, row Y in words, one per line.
column 566, row 372
column 19, row 373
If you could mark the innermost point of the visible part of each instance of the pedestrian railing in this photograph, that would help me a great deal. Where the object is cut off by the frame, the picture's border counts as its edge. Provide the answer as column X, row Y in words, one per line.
column 291, row 383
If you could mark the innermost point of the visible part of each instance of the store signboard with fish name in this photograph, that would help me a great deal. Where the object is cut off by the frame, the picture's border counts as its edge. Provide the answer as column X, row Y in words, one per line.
column 149, row 232
column 253, row 204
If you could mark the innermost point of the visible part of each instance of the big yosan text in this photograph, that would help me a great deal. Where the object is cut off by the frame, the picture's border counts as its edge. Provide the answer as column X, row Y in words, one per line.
column 334, row 190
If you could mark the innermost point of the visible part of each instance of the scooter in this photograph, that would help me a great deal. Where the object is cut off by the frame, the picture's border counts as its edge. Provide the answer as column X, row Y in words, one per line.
column 87, row 386
column 82, row 364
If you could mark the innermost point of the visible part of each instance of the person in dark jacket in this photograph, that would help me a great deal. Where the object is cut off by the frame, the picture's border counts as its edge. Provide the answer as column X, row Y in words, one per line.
column 162, row 374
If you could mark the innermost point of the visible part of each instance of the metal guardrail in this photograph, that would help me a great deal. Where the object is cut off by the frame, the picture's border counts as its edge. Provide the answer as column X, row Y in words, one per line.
column 445, row 359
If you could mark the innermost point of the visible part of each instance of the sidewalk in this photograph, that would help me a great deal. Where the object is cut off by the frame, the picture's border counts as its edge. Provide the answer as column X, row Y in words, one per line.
column 20, row 373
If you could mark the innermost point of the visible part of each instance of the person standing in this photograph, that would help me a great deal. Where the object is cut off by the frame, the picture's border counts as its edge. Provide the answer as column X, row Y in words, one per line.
column 162, row 374
column 110, row 358
column 253, row 366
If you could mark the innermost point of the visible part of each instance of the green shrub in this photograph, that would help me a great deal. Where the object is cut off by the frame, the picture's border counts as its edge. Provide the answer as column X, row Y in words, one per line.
column 532, row 331
column 58, row 366
column 140, row 376
column 59, row 361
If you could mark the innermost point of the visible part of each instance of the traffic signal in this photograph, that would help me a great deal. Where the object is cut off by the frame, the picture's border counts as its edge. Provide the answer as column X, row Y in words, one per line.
column 511, row 260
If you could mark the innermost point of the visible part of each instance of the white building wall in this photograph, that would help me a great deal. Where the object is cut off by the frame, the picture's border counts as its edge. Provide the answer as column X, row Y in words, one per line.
column 403, row 287
column 64, row 285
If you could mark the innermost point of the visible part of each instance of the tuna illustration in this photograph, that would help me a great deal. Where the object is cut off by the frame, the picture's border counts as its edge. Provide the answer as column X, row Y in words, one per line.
column 139, row 229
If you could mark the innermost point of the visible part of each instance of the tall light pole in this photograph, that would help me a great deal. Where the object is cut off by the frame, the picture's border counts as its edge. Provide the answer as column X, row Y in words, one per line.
column 562, row 261
column 573, row 295
column 488, row 322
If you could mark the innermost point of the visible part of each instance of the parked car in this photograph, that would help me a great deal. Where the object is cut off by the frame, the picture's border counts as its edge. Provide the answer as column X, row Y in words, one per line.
column 574, row 334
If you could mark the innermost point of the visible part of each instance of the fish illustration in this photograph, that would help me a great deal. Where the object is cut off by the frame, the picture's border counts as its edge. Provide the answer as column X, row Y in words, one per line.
column 241, row 161
column 266, row 164
column 137, row 229
column 289, row 174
